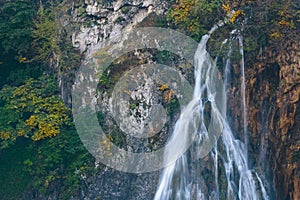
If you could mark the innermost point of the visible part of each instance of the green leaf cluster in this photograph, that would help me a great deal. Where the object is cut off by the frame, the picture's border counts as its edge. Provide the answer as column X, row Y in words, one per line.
column 16, row 18
column 195, row 17
column 33, row 118
column 32, row 110
column 59, row 160
column 45, row 35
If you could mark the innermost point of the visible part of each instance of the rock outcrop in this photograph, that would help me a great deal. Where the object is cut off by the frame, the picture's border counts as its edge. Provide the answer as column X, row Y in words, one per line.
column 273, row 90
column 94, row 22
column 272, row 96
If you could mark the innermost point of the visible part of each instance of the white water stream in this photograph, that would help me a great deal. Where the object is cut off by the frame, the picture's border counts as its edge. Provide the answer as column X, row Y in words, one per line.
column 178, row 181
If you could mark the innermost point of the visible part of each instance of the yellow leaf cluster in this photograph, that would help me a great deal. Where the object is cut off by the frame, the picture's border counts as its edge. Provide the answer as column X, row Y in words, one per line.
column 45, row 130
column 226, row 8
column 164, row 87
column 168, row 95
column 45, row 114
column 32, row 122
column 106, row 143
column 23, row 59
column 4, row 135
column 235, row 14
column 284, row 13
column 231, row 13
column 20, row 133
column 276, row 35
column 181, row 10
column 45, row 126
column 283, row 22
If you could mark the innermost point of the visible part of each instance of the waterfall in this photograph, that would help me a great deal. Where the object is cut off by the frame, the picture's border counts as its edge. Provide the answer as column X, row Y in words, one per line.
column 178, row 180
column 243, row 91
column 191, row 112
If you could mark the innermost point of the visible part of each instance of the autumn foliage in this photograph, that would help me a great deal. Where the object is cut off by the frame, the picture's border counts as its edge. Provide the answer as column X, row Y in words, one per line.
column 32, row 110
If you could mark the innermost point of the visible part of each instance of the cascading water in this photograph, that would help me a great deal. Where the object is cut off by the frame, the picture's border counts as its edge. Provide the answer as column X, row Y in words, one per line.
column 243, row 91
column 179, row 180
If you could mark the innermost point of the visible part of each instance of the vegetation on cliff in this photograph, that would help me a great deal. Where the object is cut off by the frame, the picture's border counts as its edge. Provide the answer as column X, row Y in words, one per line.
column 39, row 146
column 36, row 127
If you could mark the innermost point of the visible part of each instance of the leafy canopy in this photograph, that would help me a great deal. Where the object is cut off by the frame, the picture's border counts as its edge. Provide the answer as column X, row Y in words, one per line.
column 195, row 16
column 32, row 110
column 45, row 35
column 15, row 22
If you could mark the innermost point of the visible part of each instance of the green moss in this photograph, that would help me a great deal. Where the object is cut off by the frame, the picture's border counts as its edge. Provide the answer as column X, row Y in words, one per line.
column 133, row 106
column 173, row 107
column 117, row 138
column 81, row 12
column 119, row 20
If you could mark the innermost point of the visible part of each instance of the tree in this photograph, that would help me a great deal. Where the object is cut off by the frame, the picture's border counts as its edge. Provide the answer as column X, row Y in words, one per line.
column 45, row 36
column 15, row 24
column 32, row 110
column 196, row 17
column 16, row 20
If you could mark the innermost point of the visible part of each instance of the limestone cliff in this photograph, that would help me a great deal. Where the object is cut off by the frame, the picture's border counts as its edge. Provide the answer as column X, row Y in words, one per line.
column 272, row 97
column 273, row 90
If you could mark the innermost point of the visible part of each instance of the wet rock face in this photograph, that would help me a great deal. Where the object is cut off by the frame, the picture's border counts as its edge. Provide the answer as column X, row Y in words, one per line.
column 288, row 127
column 273, row 98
